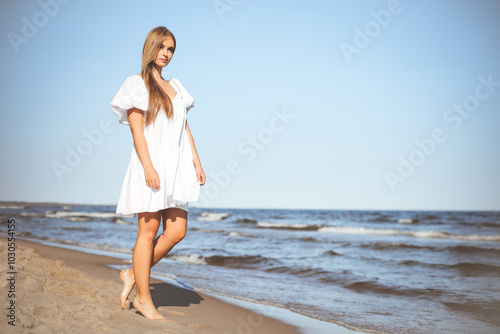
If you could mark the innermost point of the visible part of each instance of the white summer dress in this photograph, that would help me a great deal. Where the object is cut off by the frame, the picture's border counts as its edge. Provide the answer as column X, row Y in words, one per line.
column 169, row 150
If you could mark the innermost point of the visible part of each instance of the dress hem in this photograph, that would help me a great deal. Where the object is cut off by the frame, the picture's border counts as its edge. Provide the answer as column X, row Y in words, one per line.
column 134, row 214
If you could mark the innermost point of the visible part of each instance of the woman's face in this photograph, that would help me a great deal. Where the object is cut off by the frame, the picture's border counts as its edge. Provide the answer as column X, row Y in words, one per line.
column 165, row 53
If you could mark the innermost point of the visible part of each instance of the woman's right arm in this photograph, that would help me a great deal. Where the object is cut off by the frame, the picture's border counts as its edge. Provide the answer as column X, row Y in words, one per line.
column 135, row 119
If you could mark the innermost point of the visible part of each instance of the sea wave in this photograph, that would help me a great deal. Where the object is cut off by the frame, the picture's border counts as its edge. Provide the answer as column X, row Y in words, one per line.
column 286, row 226
column 472, row 249
column 407, row 221
column 238, row 234
column 331, row 253
column 298, row 271
column 242, row 261
column 237, row 262
column 12, row 207
column 122, row 221
column 417, row 234
column 79, row 219
column 380, row 219
column 492, row 224
column 307, row 239
column 319, row 274
column 386, row 245
column 212, row 216
column 188, row 258
column 455, row 248
column 375, row 286
column 73, row 228
column 471, row 269
column 389, row 219
column 67, row 214
column 205, row 230
column 429, row 217
column 246, row 221
column 29, row 214
column 476, row 269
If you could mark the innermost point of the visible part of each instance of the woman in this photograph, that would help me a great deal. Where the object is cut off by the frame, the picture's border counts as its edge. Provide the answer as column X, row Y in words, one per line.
column 164, row 172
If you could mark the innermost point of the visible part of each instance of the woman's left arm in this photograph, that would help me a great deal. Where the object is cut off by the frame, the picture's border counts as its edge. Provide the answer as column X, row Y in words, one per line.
column 196, row 159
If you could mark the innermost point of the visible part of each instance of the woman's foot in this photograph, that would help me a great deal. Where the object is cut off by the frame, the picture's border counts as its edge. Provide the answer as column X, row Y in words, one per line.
column 128, row 279
column 148, row 311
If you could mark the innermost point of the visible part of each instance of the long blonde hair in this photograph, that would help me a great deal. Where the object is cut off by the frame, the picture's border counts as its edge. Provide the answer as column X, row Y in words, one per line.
column 158, row 98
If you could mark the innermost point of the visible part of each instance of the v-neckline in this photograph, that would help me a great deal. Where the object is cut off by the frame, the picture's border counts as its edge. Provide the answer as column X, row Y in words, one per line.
column 171, row 84
column 173, row 87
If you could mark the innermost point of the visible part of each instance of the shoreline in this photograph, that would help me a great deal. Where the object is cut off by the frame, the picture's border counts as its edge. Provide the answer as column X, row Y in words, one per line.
column 22, row 203
column 187, row 310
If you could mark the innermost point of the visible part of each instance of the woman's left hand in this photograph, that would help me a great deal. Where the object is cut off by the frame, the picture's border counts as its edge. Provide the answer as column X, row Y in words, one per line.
column 200, row 174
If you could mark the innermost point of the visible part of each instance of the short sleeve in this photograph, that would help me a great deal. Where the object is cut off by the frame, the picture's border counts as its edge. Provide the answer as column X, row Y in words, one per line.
column 132, row 94
column 188, row 99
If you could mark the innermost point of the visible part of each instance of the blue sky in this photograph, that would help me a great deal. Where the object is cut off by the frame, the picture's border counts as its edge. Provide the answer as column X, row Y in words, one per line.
column 354, row 117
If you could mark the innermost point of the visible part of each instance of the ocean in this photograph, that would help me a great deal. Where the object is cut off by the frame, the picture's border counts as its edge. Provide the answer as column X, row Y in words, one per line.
column 381, row 271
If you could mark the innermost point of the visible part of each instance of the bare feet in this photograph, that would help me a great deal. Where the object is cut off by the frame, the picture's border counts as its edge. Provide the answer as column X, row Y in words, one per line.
column 148, row 311
column 128, row 279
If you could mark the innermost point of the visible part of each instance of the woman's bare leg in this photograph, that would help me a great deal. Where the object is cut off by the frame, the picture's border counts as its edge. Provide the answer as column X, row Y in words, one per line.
column 174, row 230
column 141, row 259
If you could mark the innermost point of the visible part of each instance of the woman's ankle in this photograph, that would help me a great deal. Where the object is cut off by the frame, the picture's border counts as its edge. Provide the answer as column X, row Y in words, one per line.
column 144, row 300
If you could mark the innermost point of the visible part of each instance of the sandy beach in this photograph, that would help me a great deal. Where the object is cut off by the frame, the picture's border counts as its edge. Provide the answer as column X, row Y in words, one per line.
column 59, row 290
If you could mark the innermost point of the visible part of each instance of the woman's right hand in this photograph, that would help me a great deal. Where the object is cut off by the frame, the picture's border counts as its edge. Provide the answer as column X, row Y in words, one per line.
column 152, row 178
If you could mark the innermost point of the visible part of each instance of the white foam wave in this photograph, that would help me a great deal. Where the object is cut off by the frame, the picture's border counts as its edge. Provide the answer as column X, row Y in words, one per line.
column 235, row 234
column 121, row 221
column 417, row 234
column 189, row 258
column 78, row 219
column 406, row 221
column 16, row 207
column 283, row 225
column 212, row 216
column 466, row 237
column 64, row 214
